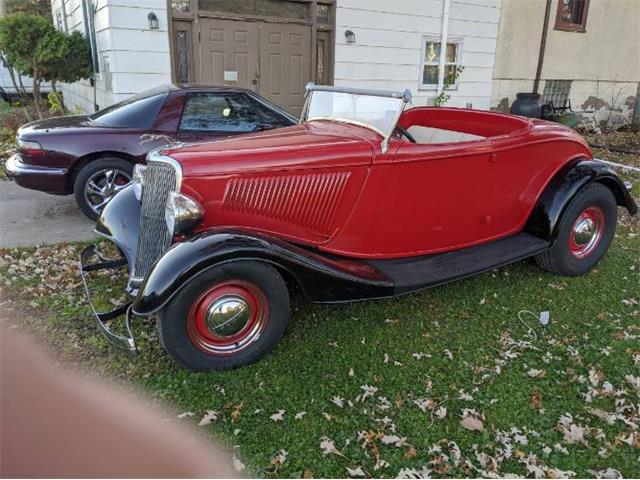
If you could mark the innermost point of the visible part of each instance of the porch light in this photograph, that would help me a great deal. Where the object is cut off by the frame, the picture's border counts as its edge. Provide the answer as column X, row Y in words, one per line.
column 153, row 21
column 350, row 36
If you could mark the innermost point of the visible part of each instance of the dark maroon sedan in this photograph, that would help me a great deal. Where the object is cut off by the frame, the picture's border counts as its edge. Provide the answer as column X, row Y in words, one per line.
column 92, row 156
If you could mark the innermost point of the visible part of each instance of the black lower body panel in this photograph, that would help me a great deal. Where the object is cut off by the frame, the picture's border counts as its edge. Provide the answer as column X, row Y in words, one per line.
column 416, row 273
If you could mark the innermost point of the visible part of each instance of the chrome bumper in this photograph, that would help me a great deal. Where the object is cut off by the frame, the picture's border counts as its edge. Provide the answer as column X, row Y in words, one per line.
column 15, row 167
column 92, row 261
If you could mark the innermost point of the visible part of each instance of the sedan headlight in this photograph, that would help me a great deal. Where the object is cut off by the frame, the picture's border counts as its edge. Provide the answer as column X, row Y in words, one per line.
column 182, row 213
column 137, row 179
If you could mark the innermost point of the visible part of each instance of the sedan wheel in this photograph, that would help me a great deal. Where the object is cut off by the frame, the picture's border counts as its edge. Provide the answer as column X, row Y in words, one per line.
column 102, row 186
column 98, row 182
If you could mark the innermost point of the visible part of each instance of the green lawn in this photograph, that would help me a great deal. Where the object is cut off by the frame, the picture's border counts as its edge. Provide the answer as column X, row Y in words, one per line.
column 387, row 383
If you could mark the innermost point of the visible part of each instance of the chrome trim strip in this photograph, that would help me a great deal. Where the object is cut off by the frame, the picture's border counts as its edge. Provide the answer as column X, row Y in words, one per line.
column 352, row 122
column 15, row 166
column 155, row 156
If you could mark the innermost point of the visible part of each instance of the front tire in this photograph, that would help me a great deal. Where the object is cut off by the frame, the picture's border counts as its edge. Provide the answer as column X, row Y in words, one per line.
column 226, row 317
column 584, row 233
column 97, row 183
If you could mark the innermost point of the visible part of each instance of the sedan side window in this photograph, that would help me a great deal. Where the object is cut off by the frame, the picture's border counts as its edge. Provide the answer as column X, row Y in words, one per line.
column 211, row 112
column 271, row 117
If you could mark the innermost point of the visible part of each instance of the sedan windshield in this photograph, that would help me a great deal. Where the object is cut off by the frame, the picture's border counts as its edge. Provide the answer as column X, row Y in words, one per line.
column 379, row 113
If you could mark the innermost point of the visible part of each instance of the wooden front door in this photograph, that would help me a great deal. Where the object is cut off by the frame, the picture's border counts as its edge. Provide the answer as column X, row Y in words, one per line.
column 272, row 59
column 285, row 64
column 229, row 53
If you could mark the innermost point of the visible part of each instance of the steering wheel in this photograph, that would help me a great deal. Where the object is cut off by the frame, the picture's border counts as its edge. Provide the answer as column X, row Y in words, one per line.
column 404, row 133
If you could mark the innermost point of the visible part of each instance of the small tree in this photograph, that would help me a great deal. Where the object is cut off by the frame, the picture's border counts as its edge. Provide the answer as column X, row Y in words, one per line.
column 449, row 79
column 33, row 47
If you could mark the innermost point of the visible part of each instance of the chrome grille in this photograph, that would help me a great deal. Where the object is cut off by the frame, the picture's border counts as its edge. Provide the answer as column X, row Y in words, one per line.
column 159, row 179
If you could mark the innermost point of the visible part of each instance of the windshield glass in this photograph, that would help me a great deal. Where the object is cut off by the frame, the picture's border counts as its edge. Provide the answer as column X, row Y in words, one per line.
column 376, row 112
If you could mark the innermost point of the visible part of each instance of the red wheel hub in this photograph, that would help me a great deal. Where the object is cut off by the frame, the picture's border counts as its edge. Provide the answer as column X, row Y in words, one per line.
column 586, row 232
column 227, row 317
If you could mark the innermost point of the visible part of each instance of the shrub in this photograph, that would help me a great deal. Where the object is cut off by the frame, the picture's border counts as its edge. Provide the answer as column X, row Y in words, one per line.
column 33, row 47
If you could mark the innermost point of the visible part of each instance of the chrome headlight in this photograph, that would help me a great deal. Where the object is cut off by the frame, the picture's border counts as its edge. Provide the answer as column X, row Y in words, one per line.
column 182, row 213
column 137, row 179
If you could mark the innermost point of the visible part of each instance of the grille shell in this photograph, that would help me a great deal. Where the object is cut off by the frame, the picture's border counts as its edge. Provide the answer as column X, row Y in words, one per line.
column 160, row 178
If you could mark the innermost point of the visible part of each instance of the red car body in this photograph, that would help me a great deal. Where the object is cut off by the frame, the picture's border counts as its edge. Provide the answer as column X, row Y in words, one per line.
column 329, row 185
column 349, row 210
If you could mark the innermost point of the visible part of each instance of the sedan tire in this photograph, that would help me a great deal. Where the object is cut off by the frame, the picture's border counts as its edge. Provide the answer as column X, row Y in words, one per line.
column 98, row 182
column 228, row 316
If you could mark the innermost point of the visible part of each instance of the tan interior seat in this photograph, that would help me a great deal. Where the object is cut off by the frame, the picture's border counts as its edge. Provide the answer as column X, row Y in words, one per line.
column 438, row 135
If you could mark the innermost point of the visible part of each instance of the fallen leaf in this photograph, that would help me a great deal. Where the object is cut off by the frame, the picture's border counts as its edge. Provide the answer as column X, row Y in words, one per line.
column 356, row 472
column 471, row 421
column 329, row 448
column 536, row 399
column 209, row 416
column 277, row 417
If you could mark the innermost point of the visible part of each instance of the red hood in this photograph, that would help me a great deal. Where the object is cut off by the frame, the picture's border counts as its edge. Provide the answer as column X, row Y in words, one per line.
column 309, row 145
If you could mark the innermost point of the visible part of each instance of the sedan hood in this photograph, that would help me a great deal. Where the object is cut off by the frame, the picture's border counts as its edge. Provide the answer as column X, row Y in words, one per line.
column 311, row 145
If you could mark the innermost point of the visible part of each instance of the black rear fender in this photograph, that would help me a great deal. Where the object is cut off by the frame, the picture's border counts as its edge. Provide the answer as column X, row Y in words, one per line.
column 573, row 177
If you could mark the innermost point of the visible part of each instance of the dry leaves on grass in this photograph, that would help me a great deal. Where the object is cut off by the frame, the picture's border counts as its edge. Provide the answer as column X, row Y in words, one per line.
column 472, row 420
column 329, row 448
column 278, row 416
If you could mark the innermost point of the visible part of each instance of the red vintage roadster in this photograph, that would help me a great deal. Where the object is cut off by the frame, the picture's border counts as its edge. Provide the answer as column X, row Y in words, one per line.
column 363, row 199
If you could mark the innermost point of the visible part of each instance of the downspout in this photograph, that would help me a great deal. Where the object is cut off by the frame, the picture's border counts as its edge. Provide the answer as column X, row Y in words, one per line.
column 543, row 44
column 444, row 34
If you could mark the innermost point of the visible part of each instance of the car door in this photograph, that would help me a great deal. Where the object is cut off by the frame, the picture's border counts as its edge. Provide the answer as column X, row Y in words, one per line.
column 211, row 115
column 435, row 199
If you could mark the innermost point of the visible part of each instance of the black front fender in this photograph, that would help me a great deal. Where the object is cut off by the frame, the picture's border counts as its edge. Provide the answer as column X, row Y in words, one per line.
column 323, row 278
column 563, row 187
column 120, row 223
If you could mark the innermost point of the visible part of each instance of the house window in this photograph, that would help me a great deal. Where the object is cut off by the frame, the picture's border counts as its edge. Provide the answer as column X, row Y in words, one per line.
column 431, row 60
column 572, row 15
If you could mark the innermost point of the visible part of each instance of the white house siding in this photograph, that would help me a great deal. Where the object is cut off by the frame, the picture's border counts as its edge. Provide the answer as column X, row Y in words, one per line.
column 387, row 52
column 132, row 57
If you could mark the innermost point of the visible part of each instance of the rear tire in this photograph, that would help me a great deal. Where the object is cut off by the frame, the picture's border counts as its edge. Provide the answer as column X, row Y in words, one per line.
column 99, row 181
column 226, row 317
column 584, row 233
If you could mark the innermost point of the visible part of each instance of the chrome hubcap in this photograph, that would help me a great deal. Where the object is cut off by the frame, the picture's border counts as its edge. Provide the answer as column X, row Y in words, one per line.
column 586, row 232
column 227, row 316
column 103, row 185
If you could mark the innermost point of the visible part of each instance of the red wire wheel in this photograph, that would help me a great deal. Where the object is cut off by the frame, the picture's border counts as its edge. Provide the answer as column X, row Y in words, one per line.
column 228, row 317
column 586, row 232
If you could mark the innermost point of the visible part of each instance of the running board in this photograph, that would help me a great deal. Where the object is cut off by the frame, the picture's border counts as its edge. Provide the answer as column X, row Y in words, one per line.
column 417, row 273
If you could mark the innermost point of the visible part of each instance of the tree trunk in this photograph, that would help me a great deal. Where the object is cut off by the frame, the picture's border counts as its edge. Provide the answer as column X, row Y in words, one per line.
column 36, row 88
column 23, row 91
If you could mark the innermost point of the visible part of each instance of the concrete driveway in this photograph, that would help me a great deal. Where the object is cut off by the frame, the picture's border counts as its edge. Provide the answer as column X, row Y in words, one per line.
column 30, row 218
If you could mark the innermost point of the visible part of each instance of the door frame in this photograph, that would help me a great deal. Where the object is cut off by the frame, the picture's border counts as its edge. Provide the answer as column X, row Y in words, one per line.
column 195, row 48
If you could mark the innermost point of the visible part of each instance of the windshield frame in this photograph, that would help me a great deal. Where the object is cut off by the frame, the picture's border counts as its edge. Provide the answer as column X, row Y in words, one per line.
column 404, row 96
